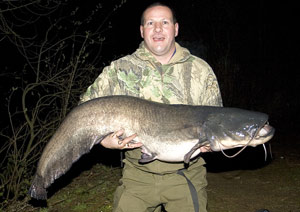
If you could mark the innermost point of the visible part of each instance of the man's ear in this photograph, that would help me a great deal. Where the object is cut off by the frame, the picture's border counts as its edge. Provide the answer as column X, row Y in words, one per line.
column 176, row 29
column 142, row 31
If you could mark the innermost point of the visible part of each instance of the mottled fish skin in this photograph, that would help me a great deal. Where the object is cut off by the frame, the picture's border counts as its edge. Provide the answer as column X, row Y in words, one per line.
column 169, row 133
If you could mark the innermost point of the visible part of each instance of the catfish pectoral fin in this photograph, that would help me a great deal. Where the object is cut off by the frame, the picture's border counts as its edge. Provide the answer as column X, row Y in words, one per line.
column 146, row 158
column 37, row 189
column 187, row 156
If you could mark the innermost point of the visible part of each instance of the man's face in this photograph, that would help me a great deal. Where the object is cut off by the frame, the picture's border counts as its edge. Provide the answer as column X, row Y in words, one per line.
column 159, row 31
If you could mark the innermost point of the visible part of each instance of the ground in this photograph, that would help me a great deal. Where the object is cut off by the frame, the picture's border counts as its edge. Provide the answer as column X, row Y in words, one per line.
column 242, row 184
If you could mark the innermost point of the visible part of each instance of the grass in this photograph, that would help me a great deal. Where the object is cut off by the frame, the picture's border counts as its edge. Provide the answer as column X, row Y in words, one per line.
column 274, row 186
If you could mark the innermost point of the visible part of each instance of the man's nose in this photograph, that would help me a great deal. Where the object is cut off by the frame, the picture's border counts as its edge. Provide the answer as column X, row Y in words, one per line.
column 158, row 27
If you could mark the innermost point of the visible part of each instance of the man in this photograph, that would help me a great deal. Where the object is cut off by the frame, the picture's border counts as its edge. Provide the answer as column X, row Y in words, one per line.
column 159, row 70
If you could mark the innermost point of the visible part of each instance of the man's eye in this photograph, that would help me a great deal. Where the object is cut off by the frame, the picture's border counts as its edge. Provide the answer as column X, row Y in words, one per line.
column 150, row 23
column 165, row 22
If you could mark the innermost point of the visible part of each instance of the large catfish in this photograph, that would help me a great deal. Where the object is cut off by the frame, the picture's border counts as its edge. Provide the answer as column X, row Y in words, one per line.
column 170, row 133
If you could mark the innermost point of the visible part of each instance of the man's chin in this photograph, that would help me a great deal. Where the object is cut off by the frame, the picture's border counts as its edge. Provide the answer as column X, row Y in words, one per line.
column 159, row 50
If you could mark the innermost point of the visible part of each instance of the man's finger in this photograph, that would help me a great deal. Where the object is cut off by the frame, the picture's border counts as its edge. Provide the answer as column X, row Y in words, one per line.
column 129, row 138
column 128, row 144
column 117, row 133
column 132, row 145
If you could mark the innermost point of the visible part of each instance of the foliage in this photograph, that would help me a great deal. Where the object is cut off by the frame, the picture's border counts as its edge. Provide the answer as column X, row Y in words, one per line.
column 59, row 44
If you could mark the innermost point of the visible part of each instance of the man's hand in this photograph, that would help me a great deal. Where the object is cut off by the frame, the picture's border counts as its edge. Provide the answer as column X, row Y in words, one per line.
column 112, row 141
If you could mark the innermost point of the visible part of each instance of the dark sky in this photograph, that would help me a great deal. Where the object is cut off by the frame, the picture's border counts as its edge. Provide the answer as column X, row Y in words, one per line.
column 256, row 39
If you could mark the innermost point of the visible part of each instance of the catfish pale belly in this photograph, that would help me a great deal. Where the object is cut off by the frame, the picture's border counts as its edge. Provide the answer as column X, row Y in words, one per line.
column 170, row 133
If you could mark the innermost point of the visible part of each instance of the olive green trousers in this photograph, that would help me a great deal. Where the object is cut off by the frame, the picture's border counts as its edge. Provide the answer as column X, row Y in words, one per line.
column 141, row 191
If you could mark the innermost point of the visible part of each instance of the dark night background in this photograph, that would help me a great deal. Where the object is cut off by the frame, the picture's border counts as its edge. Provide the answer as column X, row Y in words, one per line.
column 251, row 45
column 258, row 37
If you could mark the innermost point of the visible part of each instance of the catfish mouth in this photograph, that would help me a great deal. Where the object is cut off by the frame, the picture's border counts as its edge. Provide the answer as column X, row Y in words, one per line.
column 265, row 131
column 261, row 136
column 251, row 137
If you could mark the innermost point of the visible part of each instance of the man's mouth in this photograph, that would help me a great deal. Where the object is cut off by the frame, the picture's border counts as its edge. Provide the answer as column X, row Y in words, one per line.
column 158, row 39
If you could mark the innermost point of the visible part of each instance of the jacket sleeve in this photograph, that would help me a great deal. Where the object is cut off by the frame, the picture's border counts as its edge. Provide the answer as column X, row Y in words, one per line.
column 208, row 91
column 212, row 91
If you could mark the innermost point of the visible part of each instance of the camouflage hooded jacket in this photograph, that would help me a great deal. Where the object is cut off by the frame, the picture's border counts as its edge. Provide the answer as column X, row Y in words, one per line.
column 186, row 79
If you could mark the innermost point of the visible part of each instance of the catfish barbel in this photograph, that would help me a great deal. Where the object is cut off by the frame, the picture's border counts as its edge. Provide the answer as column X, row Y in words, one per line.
column 170, row 133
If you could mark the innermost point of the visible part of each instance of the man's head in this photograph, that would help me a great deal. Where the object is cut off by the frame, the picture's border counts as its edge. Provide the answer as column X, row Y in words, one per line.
column 159, row 29
column 159, row 4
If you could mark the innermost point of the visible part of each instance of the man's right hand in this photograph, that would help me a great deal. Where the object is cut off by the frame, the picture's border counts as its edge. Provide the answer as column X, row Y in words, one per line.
column 113, row 141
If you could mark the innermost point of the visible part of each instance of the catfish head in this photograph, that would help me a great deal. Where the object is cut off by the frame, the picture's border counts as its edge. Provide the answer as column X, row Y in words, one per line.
column 232, row 127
